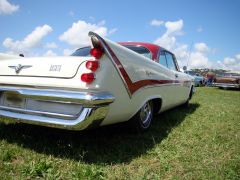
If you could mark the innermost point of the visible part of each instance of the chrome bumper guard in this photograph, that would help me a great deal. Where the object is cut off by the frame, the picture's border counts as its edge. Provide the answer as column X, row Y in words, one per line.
column 93, row 107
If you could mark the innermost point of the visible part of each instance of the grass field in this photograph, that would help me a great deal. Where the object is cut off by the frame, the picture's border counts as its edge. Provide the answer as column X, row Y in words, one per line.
column 202, row 142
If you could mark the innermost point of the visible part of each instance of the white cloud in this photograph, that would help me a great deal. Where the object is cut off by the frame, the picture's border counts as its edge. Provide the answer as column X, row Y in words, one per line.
column 174, row 27
column 77, row 35
column 201, row 47
column 156, row 22
column 194, row 59
column 50, row 53
column 181, row 51
column 230, row 63
column 198, row 57
column 237, row 56
column 51, row 45
column 7, row 8
column 168, row 39
column 32, row 40
column 199, row 60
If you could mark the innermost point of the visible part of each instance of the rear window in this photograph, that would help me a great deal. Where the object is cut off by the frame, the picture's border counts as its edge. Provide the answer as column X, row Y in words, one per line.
column 82, row 52
column 140, row 50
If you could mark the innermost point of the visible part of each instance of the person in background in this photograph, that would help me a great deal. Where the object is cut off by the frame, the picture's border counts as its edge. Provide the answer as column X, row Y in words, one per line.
column 210, row 78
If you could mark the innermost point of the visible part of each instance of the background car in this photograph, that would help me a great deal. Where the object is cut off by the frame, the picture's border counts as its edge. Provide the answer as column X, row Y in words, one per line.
column 228, row 80
column 199, row 80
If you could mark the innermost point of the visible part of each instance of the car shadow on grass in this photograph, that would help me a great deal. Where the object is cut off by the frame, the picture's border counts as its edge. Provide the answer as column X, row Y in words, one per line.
column 229, row 89
column 107, row 145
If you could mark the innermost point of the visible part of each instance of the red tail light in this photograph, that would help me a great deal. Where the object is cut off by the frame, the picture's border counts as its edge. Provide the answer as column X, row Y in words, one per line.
column 96, row 52
column 88, row 77
column 92, row 65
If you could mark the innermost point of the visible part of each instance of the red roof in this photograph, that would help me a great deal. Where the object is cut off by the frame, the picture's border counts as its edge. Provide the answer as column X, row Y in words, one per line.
column 153, row 48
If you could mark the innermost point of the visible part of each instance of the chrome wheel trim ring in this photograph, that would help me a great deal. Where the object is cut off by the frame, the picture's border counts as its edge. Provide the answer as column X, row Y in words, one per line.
column 146, row 114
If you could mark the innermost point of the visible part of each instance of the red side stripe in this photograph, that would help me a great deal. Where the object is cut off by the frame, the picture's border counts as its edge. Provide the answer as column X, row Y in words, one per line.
column 134, row 86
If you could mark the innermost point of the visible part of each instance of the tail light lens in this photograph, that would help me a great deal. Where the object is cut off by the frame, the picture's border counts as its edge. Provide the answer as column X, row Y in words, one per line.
column 92, row 65
column 96, row 52
column 88, row 77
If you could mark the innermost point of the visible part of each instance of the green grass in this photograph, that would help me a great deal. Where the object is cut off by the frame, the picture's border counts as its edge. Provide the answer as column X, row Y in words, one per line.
column 202, row 142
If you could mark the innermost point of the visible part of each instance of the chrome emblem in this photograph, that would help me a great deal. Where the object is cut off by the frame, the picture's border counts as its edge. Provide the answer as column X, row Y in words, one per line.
column 149, row 73
column 19, row 67
column 55, row 68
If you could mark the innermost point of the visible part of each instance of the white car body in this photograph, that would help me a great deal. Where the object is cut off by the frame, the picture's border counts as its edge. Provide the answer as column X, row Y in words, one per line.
column 48, row 91
column 8, row 56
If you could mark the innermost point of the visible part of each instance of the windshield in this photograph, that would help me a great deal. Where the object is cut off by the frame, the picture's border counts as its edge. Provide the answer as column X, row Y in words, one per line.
column 190, row 73
column 85, row 51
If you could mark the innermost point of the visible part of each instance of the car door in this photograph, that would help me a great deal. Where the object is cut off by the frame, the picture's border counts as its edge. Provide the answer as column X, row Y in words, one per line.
column 171, row 93
column 178, row 93
column 180, row 89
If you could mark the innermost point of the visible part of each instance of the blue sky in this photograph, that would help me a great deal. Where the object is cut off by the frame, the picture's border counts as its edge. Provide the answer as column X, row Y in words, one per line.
column 210, row 29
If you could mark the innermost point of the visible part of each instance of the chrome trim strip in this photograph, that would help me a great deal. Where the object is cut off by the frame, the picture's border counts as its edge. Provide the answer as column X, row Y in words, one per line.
column 39, row 113
column 95, row 108
column 85, row 119
column 86, row 98
column 42, row 87
column 56, row 77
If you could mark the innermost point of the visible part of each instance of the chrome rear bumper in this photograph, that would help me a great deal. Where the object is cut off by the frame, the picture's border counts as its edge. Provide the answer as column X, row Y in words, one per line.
column 87, row 107
column 226, row 85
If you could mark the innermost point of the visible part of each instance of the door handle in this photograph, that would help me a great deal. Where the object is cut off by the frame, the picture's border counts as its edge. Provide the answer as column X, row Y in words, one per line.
column 176, row 75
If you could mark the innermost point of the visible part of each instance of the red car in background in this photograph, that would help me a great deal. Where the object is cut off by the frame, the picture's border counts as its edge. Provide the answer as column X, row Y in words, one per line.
column 228, row 80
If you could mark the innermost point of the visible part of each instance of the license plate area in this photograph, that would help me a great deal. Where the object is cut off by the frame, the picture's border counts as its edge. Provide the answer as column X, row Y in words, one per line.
column 14, row 100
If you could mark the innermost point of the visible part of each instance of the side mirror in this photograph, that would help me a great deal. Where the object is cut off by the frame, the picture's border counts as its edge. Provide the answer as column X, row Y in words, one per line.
column 184, row 68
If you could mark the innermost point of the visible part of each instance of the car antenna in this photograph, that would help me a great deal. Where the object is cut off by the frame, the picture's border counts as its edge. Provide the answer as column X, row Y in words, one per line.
column 189, row 54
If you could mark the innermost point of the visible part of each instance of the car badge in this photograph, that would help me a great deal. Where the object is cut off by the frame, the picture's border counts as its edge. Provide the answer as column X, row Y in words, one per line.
column 19, row 67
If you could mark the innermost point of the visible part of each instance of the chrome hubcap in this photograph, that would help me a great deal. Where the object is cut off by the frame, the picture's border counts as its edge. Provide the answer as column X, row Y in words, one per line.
column 146, row 113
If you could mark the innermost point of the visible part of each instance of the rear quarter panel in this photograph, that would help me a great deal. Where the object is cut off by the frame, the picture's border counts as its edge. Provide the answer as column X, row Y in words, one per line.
column 146, row 81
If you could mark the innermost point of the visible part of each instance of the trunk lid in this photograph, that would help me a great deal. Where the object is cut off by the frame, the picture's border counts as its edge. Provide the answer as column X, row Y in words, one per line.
column 57, row 67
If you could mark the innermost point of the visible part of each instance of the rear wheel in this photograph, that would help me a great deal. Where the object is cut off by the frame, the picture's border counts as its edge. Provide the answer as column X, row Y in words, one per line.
column 142, row 120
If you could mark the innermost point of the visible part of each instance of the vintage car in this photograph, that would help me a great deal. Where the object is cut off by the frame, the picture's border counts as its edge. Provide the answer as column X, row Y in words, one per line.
column 103, row 84
column 227, row 81
column 198, row 79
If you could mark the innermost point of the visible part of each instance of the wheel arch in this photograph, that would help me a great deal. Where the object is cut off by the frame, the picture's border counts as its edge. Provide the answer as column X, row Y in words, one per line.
column 157, row 103
column 140, row 123
column 191, row 93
